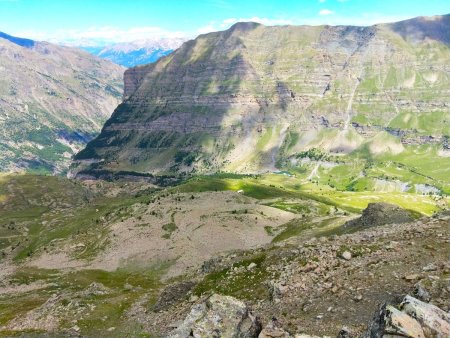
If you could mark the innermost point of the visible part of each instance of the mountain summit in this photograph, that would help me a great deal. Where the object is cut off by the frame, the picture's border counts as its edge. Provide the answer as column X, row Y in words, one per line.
column 255, row 98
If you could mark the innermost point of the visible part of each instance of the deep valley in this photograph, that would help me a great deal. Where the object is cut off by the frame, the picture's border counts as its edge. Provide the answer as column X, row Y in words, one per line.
column 258, row 182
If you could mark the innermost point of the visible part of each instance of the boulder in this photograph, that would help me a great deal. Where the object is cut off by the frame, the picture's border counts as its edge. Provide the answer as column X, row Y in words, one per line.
column 219, row 316
column 344, row 333
column 346, row 255
column 377, row 214
column 413, row 319
column 400, row 324
column 275, row 290
column 95, row 289
column 251, row 266
column 274, row 330
column 435, row 322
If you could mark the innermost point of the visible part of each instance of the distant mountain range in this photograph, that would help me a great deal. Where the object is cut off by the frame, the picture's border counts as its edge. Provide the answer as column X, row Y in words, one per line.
column 53, row 99
column 27, row 43
column 136, row 53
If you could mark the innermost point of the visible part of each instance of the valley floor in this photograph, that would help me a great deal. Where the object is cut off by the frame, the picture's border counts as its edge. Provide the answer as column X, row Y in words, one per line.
column 91, row 258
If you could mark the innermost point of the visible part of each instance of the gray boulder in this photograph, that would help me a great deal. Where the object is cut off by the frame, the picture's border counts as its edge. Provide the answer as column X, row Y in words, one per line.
column 413, row 319
column 434, row 321
column 219, row 316
column 421, row 293
column 400, row 324
column 274, row 330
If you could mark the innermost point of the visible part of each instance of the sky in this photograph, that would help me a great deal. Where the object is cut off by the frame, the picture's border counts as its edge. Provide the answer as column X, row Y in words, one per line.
column 86, row 22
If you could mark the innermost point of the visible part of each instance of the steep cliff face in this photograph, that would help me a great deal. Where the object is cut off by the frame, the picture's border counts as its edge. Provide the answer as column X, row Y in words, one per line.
column 53, row 100
column 249, row 98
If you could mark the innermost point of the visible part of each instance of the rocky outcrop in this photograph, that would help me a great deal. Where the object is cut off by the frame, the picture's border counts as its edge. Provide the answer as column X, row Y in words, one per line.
column 219, row 316
column 172, row 294
column 274, row 330
column 434, row 321
column 132, row 79
column 313, row 287
column 379, row 214
column 413, row 318
column 224, row 316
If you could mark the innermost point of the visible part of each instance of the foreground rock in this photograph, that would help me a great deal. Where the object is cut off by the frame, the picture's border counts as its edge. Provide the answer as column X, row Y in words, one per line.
column 380, row 214
column 310, row 288
column 274, row 329
column 414, row 318
column 434, row 321
column 225, row 316
column 219, row 316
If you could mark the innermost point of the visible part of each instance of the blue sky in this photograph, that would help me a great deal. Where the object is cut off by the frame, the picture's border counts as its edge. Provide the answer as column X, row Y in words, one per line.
column 121, row 21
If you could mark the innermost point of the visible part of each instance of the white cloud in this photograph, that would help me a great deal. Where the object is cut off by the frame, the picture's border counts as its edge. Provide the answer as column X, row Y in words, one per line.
column 227, row 23
column 322, row 1
column 265, row 21
column 206, row 29
column 102, row 35
column 94, row 36
column 230, row 21
column 365, row 19
column 325, row 12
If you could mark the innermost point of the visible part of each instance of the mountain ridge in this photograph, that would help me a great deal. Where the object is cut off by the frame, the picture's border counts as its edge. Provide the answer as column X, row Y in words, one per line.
column 53, row 100
column 253, row 98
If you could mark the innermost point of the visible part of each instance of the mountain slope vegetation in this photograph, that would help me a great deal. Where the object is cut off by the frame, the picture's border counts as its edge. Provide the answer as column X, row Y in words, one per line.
column 248, row 163
column 255, row 99
column 53, row 100
column 101, row 258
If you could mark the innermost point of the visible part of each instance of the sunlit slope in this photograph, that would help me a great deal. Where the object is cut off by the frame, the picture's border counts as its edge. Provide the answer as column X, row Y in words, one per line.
column 53, row 100
column 250, row 98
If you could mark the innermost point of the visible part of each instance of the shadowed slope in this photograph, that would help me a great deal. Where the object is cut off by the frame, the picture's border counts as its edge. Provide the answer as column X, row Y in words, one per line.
column 421, row 28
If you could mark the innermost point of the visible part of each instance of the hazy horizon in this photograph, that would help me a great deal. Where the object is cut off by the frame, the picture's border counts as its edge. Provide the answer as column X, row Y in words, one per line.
column 76, row 23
